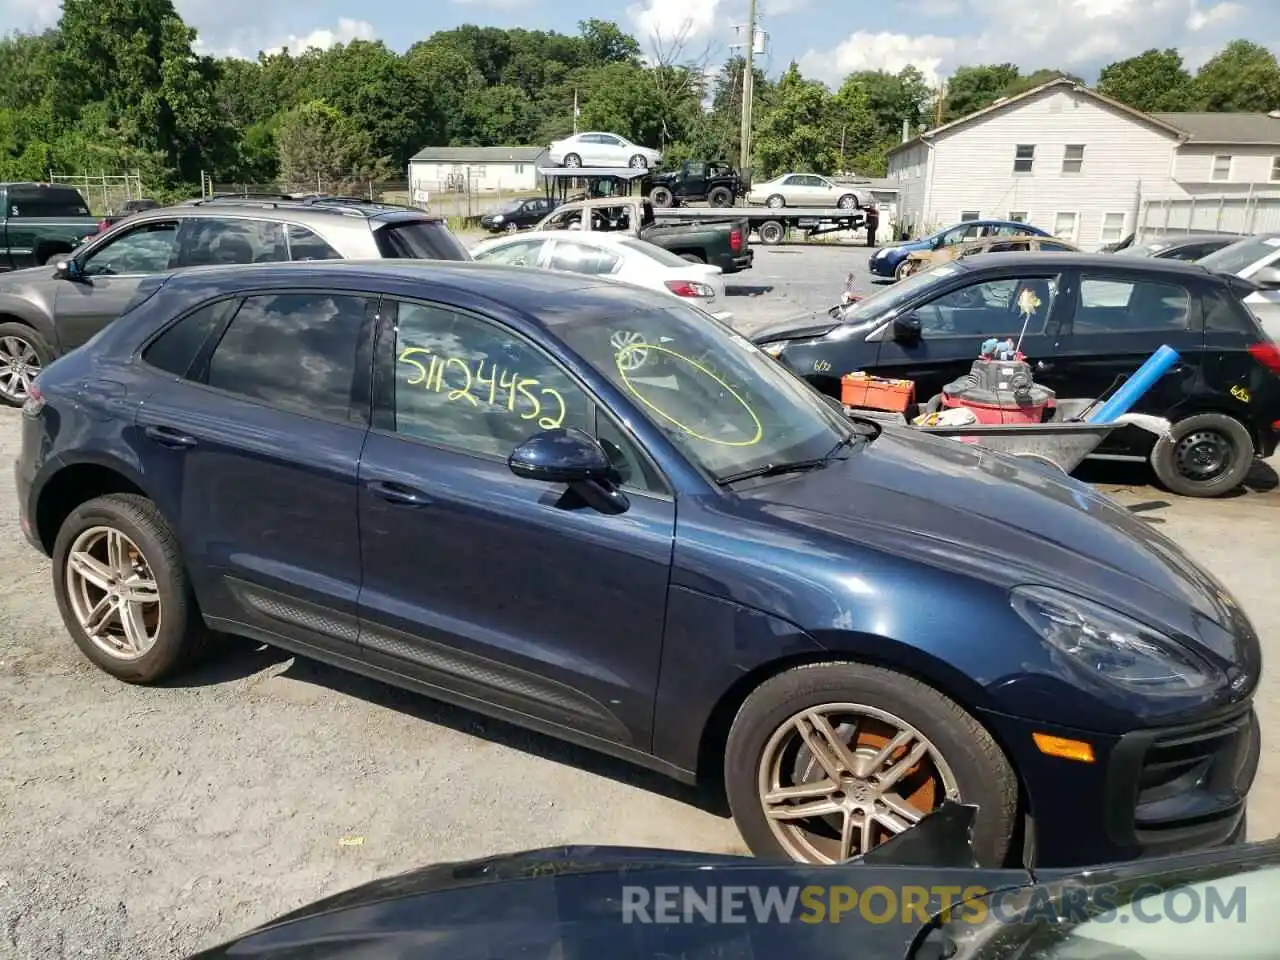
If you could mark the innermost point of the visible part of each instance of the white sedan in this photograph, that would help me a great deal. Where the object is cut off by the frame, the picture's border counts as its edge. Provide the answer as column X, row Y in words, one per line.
column 602, row 150
column 609, row 255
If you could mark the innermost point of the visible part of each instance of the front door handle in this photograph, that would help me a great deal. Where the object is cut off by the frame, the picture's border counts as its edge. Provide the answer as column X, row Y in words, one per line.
column 169, row 437
column 399, row 493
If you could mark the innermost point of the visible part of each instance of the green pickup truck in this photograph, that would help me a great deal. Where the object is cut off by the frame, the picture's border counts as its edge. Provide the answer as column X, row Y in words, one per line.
column 41, row 222
column 723, row 243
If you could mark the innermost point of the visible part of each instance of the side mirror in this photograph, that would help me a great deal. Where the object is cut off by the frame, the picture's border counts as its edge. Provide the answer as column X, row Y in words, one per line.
column 1268, row 278
column 906, row 329
column 574, row 457
column 68, row 270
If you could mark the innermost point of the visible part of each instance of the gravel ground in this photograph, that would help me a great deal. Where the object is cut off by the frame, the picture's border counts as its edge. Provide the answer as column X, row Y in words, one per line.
column 148, row 823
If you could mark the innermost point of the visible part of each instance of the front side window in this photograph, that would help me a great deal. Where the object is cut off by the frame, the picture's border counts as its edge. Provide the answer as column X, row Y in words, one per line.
column 1108, row 305
column 518, row 253
column 961, row 235
column 727, row 404
column 993, row 308
column 205, row 241
column 147, row 248
column 293, row 351
column 473, row 385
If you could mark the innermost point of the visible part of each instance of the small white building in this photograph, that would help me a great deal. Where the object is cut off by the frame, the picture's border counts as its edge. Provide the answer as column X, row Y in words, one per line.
column 1090, row 169
column 476, row 169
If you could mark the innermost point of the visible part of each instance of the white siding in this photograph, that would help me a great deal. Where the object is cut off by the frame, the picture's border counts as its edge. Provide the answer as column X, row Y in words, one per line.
column 909, row 169
column 974, row 165
column 505, row 176
column 1249, row 164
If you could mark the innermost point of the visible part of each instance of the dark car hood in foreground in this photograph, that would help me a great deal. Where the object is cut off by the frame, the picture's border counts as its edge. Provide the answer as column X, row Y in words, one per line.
column 589, row 903
column 993, row 517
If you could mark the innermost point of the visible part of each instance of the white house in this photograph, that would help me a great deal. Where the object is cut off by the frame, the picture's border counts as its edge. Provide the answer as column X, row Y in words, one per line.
column 1091, row 169
column 475, row 169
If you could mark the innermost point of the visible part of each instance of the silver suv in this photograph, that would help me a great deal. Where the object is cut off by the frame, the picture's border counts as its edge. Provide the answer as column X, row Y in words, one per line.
column 46, row 312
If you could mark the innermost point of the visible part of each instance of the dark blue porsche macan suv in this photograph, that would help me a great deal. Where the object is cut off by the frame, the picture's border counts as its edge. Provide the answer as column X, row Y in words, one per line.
column 595, row 511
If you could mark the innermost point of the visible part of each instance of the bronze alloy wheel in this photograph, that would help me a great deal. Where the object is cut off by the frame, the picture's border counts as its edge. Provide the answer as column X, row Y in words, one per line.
column 838, row 779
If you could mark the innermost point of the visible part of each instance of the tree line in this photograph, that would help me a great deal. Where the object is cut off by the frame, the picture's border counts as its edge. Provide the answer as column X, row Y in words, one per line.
column 117, row 86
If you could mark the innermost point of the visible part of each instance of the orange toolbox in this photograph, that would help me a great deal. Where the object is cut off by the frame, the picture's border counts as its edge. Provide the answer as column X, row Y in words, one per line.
column 860, row 389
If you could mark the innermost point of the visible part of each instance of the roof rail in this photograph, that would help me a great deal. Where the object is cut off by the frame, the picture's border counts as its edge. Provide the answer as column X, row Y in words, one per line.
column 336, row 199
column 241, row 196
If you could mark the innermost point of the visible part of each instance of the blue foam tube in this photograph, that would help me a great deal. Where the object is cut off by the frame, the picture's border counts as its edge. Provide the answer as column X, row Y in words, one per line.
column 1131, row 390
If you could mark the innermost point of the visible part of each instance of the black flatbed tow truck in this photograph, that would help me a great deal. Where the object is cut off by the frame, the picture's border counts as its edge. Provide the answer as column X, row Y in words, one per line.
column 771, row 224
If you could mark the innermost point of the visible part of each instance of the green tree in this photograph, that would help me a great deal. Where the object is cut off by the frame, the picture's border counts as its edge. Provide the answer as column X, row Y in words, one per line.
column 318, row 144
column 796, row 133
column 1154, row 80
column 1243, row 77
column 972, row 88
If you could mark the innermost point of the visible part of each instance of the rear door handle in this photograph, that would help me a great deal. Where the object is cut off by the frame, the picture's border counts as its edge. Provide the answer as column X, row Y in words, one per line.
column 399, row 493
column 169, row 437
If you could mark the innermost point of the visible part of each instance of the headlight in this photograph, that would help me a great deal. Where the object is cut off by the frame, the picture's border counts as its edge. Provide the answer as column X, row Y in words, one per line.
column 1110, row 646
column 774, row 349
column 497, row 218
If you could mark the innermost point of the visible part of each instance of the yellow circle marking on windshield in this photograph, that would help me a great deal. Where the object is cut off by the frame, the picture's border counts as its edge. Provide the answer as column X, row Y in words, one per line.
column 621, row 354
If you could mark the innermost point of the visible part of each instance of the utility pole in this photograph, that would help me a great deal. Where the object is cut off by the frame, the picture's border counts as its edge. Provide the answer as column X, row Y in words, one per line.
column 748, row 90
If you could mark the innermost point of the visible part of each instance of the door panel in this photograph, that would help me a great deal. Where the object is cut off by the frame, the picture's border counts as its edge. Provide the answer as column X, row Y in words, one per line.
column 954, row 326
column 259, row 474
column 496, row 588
column 111, row 274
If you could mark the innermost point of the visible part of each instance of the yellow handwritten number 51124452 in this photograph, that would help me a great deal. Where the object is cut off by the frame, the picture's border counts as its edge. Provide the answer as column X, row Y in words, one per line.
column 519, row 389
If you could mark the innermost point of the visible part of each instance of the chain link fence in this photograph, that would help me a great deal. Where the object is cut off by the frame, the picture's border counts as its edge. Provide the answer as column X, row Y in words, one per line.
column 447, row 199
column 106, row 194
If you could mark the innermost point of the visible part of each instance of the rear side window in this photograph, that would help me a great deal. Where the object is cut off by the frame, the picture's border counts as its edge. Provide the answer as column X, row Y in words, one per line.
column 208, row 240
column 177, row 348
column 293, row 351
column 305, row 244
column 1131, row 306
column 46, row 202
column 419, row 240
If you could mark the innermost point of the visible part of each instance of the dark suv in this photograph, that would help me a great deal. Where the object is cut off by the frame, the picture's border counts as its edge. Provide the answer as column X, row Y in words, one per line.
column 1090, row 320
column 47, row 311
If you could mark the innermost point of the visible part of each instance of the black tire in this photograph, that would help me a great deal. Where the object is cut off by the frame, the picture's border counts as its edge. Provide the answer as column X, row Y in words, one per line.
column 772, row 232
column 720, row 197
column 981, row 772
column 511, row 227
column 905, row 269
column 18, row 345
column 1184, row 462
column 182, row 635
column 662, row 197
column 572, row 160
column 847, row 202
column 692, row 258
column 638, row 162
column 776, row 202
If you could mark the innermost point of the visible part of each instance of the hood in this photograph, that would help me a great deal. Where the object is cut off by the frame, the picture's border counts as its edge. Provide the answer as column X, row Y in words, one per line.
column 996, row 518
column 800, row 327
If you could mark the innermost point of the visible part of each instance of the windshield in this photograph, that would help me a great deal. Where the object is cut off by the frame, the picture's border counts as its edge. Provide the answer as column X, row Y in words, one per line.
column 1148, row 249
column 511, row 206
column 728, row 405
column 656, row 253
column 1241, row 254
column 875, row 306
column 1229, row 912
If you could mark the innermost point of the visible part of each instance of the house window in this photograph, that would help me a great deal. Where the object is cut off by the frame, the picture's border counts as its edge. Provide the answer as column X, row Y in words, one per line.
column 1018, row 216
column 1064, row 226
column 1275, row 168
column 1024, row 158
column 477, row 170
column 1112, row 227
column 519, row 168
column 1222, row 167
column 1073, row 158
column 967, row 215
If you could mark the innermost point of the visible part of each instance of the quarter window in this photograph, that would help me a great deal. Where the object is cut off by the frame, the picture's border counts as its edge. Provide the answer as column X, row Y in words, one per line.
column 991, row 309
column 1129, row 306
column 294, row 351
column 176, row 349
column 148, row 248
column 466, row 383
column 305, row 244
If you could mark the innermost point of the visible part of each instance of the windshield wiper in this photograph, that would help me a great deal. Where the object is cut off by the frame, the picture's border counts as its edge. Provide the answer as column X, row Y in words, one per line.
column 792, row 466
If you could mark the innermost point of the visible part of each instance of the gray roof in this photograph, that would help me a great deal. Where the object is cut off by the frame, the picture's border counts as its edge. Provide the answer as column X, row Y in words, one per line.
column 479, row 154
column 1259, row 128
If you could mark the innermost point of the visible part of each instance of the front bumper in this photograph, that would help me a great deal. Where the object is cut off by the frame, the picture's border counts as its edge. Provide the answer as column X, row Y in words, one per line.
column 1148, row 793
column 880, row 266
